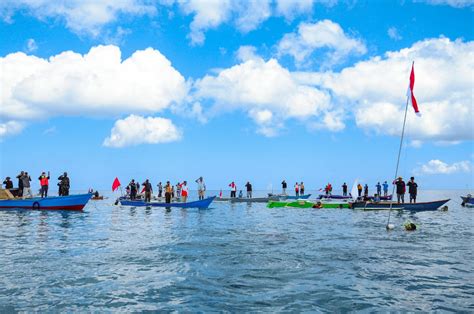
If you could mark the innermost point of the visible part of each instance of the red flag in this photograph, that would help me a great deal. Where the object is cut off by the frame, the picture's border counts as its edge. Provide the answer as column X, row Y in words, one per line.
column 115, row 184
column 410, row 90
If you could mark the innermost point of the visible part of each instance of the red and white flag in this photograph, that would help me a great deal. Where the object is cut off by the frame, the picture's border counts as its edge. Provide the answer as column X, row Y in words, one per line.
column 115, row 184
column 410, row 94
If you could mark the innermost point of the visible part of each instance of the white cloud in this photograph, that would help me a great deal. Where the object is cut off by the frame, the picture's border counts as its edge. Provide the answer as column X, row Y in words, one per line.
column 324, row 34
column 452, row 3
column 376, row 88
column 97, row 83
column 436, row 166
column 393, row 33
column 247, row 15
column 267, row 92
column 82, row 17
column 135, row 130
column 31, row 45
column 292, row 8
column 10, row 128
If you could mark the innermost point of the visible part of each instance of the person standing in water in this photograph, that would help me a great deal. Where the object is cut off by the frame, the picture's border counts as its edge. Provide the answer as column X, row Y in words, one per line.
column 344, row 189
column 201, row 188
column 249, row 189
column 44, row 183
column 148, row 190
column 283, row 187
column 385, row 188
column 302, row 188
column 412, row 189
column 401, row 189
column 184, row 191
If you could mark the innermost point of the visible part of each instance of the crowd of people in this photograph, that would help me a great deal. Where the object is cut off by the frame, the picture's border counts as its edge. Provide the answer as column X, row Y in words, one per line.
column 24, row 185
column 168, row 190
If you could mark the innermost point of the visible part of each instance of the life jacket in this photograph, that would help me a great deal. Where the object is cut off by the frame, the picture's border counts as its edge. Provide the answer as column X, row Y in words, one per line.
column 44, row 180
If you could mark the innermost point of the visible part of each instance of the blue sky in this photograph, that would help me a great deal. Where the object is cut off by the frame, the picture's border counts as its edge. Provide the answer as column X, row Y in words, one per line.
column 309, row 91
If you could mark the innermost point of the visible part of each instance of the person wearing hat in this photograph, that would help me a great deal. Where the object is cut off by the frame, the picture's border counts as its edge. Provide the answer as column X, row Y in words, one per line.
column 400, row 189
column 8, row 183
column 412, row 189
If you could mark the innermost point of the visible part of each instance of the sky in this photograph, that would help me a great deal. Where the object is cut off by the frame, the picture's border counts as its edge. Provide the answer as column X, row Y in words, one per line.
column 257, row 90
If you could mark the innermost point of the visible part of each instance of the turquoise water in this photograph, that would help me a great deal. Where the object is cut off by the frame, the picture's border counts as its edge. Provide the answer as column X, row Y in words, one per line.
column 236, row 258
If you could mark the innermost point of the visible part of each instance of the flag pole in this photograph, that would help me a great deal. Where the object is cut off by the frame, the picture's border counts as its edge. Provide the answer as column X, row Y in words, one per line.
column 398, row 160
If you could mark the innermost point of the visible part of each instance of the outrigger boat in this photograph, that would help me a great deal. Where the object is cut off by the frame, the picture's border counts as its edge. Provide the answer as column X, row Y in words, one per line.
column 342, row 197
column 195, row 204
column 71, row 202
column 306, row 204
column 294, row 197
column 424, row 206
column 467, row 201
column 247, row 200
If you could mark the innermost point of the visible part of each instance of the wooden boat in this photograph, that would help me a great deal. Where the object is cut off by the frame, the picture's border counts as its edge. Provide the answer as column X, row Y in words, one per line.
column 467, row 201
column 306, row 204
column 247, row 200
column 71, row 202
column 342, row 197
column 294, row 197
column 97, row 198
column 195, row 204
column 424, row 206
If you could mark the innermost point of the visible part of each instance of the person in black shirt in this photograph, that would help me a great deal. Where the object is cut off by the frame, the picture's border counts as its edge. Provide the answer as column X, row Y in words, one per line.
column 283, row 187
column 344, row 189
column 133, row 189
column 412, row 189
column 249, row 189
column 400, row 189
column 64, row 185
column 20, row 183
column 148, row 190
column 8, row 183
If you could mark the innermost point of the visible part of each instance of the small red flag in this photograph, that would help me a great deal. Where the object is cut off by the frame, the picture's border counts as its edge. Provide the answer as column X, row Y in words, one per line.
column 410, row 94
column 116, row 184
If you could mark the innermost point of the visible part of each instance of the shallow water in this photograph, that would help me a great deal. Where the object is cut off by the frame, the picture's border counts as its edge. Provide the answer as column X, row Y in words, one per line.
column 237, row 258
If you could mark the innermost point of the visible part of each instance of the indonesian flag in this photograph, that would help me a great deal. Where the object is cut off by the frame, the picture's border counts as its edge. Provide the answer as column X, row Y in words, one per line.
column 115, row 184
column 410, row 94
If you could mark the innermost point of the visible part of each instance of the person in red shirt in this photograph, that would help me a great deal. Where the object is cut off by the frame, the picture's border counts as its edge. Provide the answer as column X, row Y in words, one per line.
column 233, row 189
column 44, row 182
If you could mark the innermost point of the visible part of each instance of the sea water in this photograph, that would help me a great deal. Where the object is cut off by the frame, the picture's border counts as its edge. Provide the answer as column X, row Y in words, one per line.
column 237, row 257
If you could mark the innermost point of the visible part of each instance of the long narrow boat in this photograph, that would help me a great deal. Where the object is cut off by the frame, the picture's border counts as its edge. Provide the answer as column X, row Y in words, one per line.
column 467, row 201
column 195, row 204
column 424, row 206
column 343, row 197
column 71, row 202
column 306, row 204
column 294, row 197
column 247, row 200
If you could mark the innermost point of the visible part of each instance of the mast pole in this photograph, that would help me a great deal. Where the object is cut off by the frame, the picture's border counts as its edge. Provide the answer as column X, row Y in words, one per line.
column 398, row 161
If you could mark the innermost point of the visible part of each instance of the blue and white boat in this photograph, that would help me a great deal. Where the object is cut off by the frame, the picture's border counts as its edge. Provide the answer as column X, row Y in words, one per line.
column 71, row 202
column 195, row 204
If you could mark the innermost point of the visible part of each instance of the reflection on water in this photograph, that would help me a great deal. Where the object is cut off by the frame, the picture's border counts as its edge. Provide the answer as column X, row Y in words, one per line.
column 236, row 257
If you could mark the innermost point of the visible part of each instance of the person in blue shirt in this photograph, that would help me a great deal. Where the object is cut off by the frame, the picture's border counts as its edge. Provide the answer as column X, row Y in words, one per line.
column 385, row 188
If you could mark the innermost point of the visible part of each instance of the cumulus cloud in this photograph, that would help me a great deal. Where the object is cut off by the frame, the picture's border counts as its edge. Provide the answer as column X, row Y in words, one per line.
column 266, row 91
column 436, row 166
column 324, row 34
column 97, row 83
column 376, row 89
column 82, row 17
column 10, row 128
column 135, row 130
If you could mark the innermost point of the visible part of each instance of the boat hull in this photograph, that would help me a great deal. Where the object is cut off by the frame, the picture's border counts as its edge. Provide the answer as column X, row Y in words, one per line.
column 72, row 202
column 306, row 204
column 205, row 203
column 467, row 200
column 294, row 197
column 425, row 206
column 247, row 200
